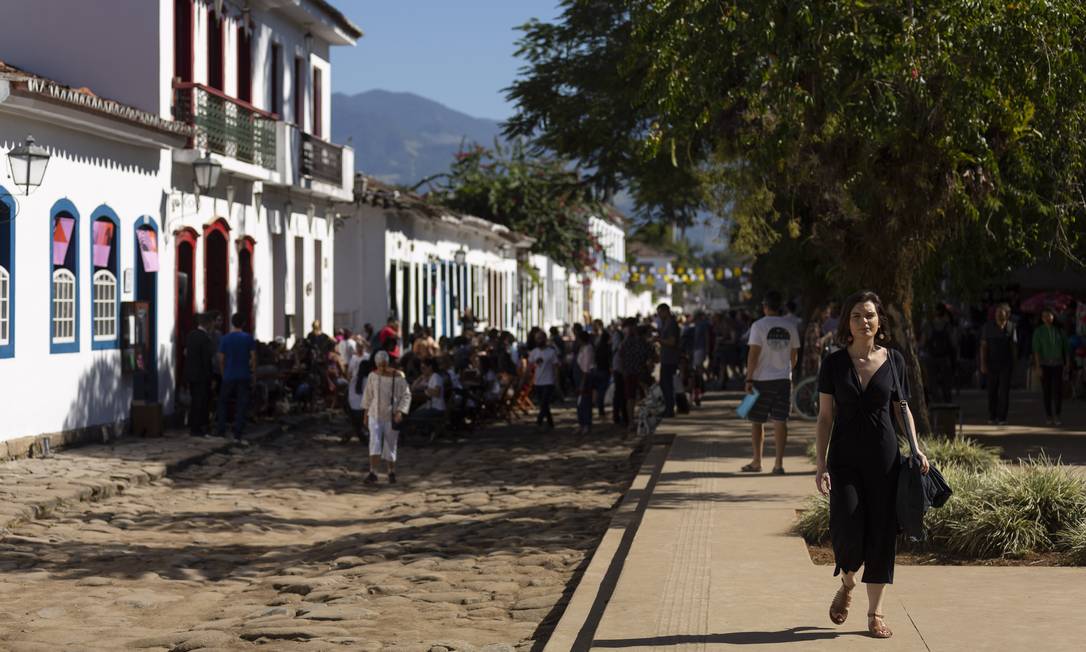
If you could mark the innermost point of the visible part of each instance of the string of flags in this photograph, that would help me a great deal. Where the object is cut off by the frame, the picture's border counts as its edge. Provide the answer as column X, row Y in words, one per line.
column 673, row 274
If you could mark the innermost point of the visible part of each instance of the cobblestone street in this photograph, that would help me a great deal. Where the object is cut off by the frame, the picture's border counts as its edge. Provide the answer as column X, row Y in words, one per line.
column 281, row 546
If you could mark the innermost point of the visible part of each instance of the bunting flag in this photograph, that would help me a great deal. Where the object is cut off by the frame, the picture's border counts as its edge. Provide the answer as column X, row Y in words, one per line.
column 148, row 249
column 103, row 242
column 62, row 237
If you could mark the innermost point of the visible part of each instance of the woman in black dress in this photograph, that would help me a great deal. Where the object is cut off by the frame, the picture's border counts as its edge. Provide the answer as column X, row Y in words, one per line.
column 855, row 393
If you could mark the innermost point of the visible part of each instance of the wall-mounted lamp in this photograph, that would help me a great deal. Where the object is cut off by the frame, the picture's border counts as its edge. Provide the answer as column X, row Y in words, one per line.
column 28, row 162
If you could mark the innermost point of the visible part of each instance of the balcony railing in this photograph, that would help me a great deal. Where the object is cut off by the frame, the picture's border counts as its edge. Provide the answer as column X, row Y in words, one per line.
column 322, row 160
column 225, row 125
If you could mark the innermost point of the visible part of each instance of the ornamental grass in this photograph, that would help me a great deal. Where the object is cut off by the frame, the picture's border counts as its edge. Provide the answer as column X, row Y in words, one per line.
column 998, row 510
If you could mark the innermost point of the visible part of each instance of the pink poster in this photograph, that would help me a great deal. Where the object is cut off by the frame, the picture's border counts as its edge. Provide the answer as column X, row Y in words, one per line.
column 148, row 249
column 62, row 237
column 103, row 242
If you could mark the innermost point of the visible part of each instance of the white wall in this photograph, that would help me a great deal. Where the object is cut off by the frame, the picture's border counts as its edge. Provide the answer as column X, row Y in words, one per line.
column 110, row 47
column 48, row 392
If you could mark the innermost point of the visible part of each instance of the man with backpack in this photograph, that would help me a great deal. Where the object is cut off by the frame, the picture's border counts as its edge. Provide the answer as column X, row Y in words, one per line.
column 942, row 355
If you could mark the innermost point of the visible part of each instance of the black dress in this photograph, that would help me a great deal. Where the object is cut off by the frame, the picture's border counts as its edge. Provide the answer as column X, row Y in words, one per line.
column 863, row 463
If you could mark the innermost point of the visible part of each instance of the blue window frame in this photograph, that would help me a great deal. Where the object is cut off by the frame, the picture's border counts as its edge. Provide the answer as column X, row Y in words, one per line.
column 105, row 279
column 64, row 281
column 7, row 274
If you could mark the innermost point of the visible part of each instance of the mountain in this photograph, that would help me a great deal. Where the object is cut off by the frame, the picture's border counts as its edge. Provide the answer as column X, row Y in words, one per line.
column 402, row 137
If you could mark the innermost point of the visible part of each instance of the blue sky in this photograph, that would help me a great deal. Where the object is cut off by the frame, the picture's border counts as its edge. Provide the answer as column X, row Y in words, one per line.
column 458, row 52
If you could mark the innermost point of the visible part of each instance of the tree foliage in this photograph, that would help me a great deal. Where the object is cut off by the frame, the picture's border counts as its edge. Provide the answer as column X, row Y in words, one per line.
column 539, row 196
column 873, row 132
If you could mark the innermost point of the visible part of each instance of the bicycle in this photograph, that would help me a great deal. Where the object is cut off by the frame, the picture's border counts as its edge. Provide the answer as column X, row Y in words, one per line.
column 805, row 398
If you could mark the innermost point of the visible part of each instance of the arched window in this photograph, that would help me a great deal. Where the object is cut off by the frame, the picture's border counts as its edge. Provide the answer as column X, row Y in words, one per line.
column 64, row 300
column 7, row 275
column 105, row 298
column 105, row 306
column 63, row 306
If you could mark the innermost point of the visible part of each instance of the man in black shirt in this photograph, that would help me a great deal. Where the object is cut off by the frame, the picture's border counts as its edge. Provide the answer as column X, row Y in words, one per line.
column 199, row 353
column 998, row 351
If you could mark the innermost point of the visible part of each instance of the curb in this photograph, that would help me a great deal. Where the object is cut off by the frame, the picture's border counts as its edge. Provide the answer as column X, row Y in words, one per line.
column 577, row 626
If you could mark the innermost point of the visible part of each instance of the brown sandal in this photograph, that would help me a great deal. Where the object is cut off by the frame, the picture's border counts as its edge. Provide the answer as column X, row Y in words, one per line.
column 842, row 600
column 877, row 627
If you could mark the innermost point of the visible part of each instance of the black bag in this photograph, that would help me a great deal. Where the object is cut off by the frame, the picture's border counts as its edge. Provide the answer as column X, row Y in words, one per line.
column 916, row 491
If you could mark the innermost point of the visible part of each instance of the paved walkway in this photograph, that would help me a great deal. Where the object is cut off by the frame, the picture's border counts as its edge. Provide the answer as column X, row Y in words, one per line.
column 699, row 558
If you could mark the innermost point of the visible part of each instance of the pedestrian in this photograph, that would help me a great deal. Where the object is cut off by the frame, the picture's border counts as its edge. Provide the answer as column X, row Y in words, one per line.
column 774, row 349
column 636, row 356
column 619, row 414
column 669, row 356
column 998, row 351
column 385, row 403
column 703, row 339
column 388, row 339
column 938, row 343
column 586, row 366
column 346, row 344
column 358, row 370
column 318, row 339
column 199, row 366
column 545, row 359
column 432, row 385
column 860, row 473
column 1052, row 359
column 468, row 322
column 602, row 374
column 237, row 358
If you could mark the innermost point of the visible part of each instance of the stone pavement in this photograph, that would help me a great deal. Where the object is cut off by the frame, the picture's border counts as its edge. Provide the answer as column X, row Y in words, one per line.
column 699, row 558
column 280, row 546
column 32, row 487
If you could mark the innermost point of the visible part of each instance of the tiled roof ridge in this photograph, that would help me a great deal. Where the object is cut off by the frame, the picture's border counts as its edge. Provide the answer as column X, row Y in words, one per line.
column 84, row 98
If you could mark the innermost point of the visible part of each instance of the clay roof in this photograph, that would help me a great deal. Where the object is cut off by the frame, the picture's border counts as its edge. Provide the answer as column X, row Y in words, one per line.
column 339, row 19
column 29, row 84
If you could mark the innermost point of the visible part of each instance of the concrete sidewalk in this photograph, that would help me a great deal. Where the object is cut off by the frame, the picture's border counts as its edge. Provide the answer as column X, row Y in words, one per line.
column 699, row 558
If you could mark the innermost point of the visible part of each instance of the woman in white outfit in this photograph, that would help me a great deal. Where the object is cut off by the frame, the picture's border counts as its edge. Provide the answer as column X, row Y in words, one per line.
column 385, row 402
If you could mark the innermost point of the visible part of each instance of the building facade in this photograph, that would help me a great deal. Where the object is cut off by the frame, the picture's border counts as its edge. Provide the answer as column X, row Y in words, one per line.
column 73, row 252
column 243, row 83
column 398, row 256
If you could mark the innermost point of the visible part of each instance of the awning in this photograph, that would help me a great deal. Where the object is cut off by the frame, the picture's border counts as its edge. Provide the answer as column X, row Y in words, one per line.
column 148, row 249
column 103, row 242
column 62, row 237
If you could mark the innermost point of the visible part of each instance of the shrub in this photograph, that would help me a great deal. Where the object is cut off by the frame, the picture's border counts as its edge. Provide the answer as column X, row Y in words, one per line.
column 1003, row 511
column 963, row 453
column 814, row 522
column 1055, row 493
column 1073, row 541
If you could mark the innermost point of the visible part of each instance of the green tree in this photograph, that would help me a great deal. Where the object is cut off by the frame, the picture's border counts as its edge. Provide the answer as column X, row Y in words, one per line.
column 874, row 132
column 539, row 196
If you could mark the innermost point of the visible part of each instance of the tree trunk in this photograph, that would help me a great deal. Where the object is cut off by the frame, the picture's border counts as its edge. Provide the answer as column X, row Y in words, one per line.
column 900, row 307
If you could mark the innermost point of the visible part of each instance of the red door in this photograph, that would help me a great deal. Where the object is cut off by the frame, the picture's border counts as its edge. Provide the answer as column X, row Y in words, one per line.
column 184, row 296
column 217, row 270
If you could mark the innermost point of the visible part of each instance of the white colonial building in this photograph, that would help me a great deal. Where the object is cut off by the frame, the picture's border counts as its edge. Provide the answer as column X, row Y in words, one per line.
column 398, row 256
column 607, row 292
column 73, row 250
column 244, row 85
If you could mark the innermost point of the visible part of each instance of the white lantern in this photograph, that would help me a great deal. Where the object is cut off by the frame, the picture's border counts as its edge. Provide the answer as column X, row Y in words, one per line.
column 28, row 162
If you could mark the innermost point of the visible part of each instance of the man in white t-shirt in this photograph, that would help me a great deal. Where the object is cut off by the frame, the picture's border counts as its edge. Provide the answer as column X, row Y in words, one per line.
column 774, row 348
column 545, row 359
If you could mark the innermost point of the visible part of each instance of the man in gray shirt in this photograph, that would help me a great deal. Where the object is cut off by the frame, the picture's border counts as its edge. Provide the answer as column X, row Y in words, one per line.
column 669, row 356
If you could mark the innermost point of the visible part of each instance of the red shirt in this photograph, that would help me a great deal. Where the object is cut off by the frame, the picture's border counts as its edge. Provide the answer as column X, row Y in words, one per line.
column 383, row 336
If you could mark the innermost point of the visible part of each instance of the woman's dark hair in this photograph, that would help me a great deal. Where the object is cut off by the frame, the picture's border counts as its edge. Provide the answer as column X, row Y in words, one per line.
column 844, row 333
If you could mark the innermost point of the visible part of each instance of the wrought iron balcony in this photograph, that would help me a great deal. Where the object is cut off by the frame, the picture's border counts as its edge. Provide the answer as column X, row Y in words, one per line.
column 225, row 125
column 322, row 160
